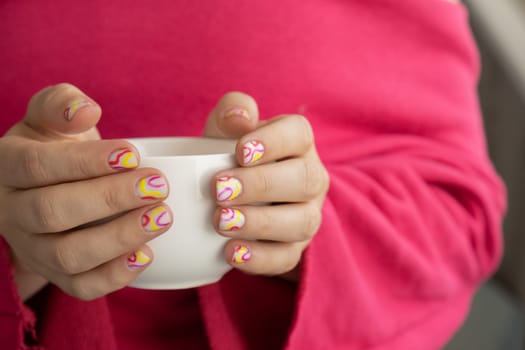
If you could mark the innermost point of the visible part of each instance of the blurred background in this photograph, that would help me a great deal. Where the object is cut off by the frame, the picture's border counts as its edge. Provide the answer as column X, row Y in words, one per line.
column 497, row 317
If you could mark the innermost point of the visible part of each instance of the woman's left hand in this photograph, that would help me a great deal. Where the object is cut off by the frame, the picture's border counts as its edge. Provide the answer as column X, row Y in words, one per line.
column 279, row 166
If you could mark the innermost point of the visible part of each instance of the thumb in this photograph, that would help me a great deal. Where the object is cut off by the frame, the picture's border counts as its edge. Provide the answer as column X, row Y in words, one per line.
column 60, row 112
column 234, row 115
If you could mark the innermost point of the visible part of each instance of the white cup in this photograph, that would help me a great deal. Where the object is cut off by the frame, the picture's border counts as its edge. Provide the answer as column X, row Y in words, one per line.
column 190, row 253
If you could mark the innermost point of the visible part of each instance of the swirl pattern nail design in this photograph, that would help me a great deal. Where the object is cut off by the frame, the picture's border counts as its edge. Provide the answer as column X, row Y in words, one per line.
column 70, row 111
column 228, row 188
column 252, row 151
column 156, row 219
column 241, row 254
column 123, row 159
column 152, row 187
column 137, row 260
column 231, row 219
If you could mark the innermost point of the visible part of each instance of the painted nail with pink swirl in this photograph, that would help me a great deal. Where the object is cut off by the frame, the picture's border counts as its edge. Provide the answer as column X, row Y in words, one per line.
column 231, row 219
column 152, row 187
column 123, row 159
column 241, row 254
column 138, row 260
column 228, row 188
column 252, row 151
column 156, row 219
column 73, row 107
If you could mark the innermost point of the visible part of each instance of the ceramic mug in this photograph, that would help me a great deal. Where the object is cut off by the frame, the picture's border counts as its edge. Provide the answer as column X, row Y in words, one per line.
column 190, row 253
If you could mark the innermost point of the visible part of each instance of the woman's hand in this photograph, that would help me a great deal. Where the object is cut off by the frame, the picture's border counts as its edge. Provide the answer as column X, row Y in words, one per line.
column 279, row 167
column 56, row 178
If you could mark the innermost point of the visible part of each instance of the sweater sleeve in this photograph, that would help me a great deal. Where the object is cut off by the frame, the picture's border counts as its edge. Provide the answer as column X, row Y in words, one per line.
column 17, row 321
column 412, row 222
column 63, row 321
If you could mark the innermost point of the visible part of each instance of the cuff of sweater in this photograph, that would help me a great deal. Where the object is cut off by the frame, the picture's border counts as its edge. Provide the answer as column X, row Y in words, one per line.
column 14, row 314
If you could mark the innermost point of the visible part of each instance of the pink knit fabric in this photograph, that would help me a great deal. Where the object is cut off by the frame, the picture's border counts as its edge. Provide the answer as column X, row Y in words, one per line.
column 412, row 222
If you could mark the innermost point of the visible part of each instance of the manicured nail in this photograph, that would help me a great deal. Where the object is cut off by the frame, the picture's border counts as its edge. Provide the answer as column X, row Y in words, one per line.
column 123, row 159
column 156, row 219
column 228, row 188
column 73, row 107
column 252, row 151
column 236, row 111
column 241, row 254
column 137, row 260
column 152, row 187
column 231, row 219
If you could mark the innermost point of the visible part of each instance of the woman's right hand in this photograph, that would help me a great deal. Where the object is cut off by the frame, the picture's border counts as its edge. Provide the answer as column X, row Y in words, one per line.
column 57, row 178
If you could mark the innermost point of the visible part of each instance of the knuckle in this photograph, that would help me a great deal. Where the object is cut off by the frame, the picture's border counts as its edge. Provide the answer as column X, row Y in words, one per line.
column 311, row 222
column 82, row 290
column 265, row 220
column 112, row 199
column 313, row 179
column 124, row 240
column 82, row 166
column 45, row 213
column 66, row 260
column 33, row 165
column 292, row 259
column 325, row 179
column 115, row 279
column 265, row 183
column 306, row 129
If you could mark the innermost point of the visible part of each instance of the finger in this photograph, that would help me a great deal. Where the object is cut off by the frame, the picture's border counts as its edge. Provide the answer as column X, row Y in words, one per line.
column 85, row 249
column 283, row 137
column 280, row 223
column 234, row 115
column 28, row 163
column 108, row 277
column 65, row 206
column 266, row 258
column 293, row 180
column 61, row 110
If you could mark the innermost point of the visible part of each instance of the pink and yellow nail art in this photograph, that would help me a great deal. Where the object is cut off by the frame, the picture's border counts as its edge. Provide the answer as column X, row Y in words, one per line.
column 241, row 254
column 73, row 107
column 231, row 219
column 252, row 151
column 156, row 219
column 237, row 111
column 152, row 187
column 228, row 188
column 123, row 159
column 137, row 260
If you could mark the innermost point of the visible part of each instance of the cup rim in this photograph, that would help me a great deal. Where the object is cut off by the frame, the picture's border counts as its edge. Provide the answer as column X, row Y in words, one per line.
column 230, row 142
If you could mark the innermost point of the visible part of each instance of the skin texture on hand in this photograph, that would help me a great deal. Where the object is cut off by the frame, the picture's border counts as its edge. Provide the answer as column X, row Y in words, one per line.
column 278, row 166
column 70, row 181
column 67, row 181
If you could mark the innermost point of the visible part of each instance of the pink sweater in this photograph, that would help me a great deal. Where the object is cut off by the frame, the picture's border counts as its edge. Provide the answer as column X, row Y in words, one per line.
column 412, row 222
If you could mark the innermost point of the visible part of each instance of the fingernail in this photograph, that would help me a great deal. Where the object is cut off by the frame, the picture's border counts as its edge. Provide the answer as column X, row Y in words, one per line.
column 152, row 187
column 252, row 151
column 123, row 159
column 156, row 219
column 73, row 107
column 228, row 188
column 137, row 260
column 236, row 111
column 231, row 219
column 241, row 254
